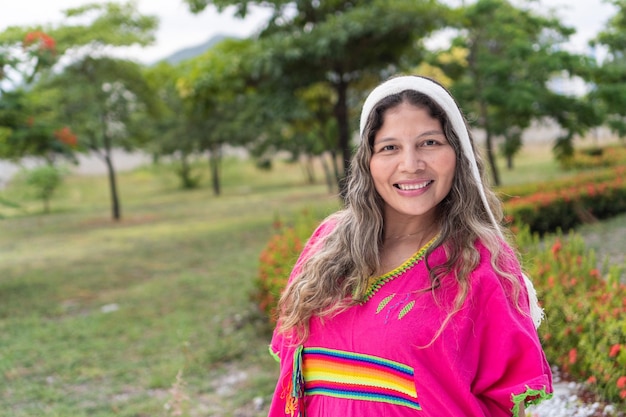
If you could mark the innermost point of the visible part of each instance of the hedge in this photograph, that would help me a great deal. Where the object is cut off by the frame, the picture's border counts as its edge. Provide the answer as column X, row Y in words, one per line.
column 590, row 176
column 585, row 305
column 568, row 205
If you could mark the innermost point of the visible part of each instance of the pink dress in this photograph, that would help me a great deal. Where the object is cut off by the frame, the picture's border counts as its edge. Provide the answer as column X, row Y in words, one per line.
column 381, row 358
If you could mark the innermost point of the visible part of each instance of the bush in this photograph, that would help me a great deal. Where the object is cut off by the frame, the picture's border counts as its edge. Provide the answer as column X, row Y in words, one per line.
column 594, row 176
column 44, row 179
column 571, row 204
column 596, row 157
column 585, row 330
column 277, row 260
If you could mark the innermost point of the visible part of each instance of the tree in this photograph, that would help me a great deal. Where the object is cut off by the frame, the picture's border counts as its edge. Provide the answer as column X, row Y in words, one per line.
column 172, row 133
column 609, row 78
column 100, row 94
column 318, row 130
column 26, row 115
column 92, row 26
column 101, row 99
column 221, row 105
column 336, row 43
column 502, row 80
column 301, row 123
column 44, row 179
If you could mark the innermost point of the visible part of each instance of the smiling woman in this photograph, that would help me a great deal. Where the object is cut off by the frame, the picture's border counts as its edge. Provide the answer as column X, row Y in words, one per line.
column 410, row 301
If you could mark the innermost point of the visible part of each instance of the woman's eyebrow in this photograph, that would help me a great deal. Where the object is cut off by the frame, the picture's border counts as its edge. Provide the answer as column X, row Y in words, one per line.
column 427, row 133
column 431, row 132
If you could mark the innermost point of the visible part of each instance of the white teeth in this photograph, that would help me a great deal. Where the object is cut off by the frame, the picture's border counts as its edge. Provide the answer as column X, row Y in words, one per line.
column 408, row 187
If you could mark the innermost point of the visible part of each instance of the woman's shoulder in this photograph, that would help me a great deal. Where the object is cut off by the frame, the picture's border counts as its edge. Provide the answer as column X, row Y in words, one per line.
column 323, row 229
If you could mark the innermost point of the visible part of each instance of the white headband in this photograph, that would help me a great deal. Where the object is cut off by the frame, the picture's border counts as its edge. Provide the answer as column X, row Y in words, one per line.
column 443, row 98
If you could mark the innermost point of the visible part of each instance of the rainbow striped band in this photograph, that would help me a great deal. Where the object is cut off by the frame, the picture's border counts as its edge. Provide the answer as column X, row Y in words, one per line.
column 354, row 376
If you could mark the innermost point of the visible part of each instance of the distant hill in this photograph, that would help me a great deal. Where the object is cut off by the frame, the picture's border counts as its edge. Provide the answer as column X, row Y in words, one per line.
column 192, row 51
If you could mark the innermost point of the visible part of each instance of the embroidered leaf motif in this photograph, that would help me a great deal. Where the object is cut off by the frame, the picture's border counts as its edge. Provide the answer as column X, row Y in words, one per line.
column 406, row 309
column 384, row 303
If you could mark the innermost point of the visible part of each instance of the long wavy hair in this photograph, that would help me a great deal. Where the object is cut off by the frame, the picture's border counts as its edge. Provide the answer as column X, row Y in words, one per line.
column 336, row 274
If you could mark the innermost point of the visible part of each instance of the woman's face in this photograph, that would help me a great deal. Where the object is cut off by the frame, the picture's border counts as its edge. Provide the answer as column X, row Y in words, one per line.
column 412, row 163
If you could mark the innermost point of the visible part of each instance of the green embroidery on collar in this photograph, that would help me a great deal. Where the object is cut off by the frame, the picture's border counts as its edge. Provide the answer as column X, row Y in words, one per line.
column 376, row 283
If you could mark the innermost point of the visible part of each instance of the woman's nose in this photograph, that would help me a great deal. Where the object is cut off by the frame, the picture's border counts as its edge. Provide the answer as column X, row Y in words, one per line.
column 412, row 161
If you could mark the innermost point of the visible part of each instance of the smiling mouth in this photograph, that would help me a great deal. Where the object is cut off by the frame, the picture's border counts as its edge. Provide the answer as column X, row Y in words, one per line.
column 411, row 187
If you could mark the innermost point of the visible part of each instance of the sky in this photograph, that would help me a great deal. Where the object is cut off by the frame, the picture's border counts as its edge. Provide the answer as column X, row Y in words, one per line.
column 179, row 28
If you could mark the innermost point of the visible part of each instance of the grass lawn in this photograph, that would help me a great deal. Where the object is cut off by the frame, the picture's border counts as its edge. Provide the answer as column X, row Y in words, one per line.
column 97, row 318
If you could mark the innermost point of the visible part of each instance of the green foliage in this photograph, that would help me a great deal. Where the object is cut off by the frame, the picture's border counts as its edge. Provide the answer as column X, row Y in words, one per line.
column 596, row 157
column 97, row 97
column 95, row 25
column 30, row 126
column 502, row 81
column 585, row 305
column 609, row 79
column 558, row 206
column 107, row 102
column 334, row 44
column 275, row 264
column 216, row 105
column 44, row 180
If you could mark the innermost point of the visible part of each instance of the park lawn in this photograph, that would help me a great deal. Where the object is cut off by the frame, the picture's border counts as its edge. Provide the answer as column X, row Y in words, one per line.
column 98, row 318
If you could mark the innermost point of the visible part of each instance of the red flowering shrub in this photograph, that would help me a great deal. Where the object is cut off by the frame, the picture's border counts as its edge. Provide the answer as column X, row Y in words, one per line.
column 592, row 176
column 570, row 204
column 585, row 330
column 277, row 260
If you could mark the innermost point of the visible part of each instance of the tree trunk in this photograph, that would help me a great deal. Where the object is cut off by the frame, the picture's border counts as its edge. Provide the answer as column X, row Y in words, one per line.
column 106, row 142
column 214, row 162
column 115, row 203
column 341, row 114
column 331, row 180
column 186, row 180
column 491, row 157
column 309, row 169
column 509, row 162
column 333, row 161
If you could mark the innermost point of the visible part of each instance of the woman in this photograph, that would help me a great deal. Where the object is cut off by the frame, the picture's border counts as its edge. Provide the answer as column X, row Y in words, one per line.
column 409, row 301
